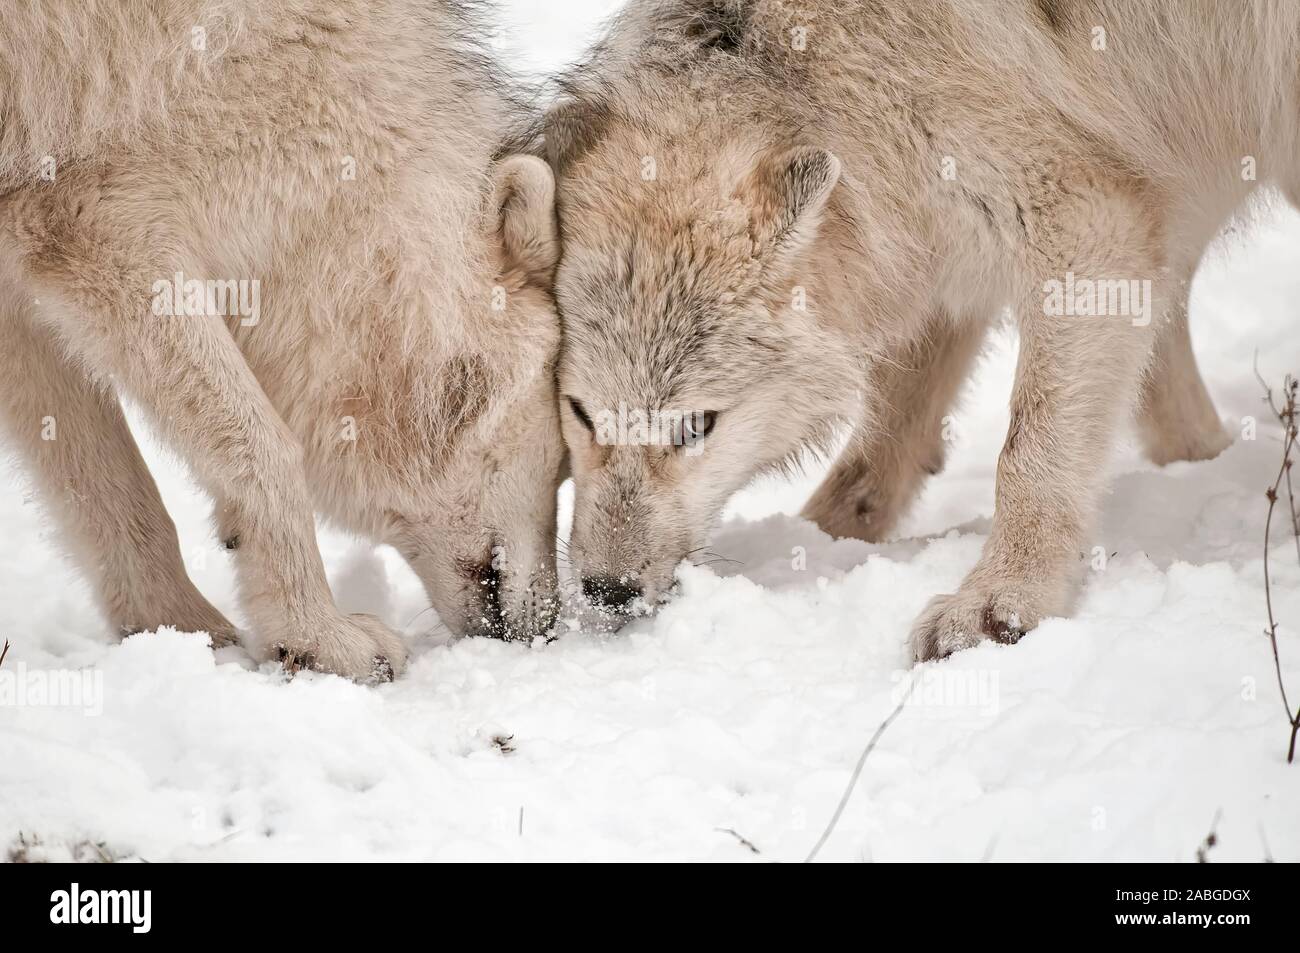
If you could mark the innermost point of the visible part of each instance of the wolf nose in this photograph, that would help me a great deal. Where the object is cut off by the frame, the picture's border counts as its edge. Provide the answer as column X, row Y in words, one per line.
column 609, row 593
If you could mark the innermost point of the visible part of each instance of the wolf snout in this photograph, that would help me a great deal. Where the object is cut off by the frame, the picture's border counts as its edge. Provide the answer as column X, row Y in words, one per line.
column 615, row 595
column 512, row 607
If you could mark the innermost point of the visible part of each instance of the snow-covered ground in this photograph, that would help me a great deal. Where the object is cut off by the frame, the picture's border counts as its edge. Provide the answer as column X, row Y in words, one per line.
column 1119, row 733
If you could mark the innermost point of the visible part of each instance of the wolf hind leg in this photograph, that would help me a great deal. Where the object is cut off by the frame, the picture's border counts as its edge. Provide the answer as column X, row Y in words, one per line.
column 900, row 441
column 1177, row 419
column 93, row 481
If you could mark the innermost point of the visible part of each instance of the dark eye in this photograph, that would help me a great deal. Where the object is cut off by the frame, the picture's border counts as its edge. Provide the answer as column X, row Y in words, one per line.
column 581, row 413
column 697, row 426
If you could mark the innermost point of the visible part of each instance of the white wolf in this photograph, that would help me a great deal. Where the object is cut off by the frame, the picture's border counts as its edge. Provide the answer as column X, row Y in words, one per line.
column 781, row 216
column 365, row 325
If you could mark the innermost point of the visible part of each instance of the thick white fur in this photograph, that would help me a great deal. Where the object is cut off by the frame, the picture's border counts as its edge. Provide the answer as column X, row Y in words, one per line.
column 399, row 378
column 984, row 148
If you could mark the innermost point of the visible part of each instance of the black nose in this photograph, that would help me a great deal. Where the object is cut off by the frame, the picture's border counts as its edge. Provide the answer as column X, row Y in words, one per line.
column 609, row 593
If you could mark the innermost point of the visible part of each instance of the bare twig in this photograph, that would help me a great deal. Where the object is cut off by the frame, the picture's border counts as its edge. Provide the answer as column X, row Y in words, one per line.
column 988, row 851
column 1286, row 414
column 744, row 842
column 4, row 652
column 1211, row 839
column 1263, row 839
column 853, row 781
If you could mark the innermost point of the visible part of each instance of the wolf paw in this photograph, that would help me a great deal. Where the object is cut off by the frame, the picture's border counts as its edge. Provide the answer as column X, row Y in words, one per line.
column 1179, row 440
column 951, row 623
column 867, row 514
column 359, row 647
column 223, row 635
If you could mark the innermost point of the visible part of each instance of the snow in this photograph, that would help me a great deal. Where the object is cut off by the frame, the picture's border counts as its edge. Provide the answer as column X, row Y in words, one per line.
column 1117, row 734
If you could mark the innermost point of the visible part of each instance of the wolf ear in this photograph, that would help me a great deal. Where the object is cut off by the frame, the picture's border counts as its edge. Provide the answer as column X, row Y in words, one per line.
column 527, row 230
column 787, row 193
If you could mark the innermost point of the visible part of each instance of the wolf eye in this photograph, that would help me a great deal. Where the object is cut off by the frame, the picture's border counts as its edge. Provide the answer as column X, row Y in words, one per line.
column 581, row 413
column 697, row 426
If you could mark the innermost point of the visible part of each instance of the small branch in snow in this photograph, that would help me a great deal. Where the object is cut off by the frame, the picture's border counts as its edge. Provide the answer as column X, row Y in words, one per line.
column 4, row 652
column 1287, row 415
column 1211, row 839
column 20, row 852
column 744, row 842
column 853, row 781
column 1263, row 839
column 988, row 851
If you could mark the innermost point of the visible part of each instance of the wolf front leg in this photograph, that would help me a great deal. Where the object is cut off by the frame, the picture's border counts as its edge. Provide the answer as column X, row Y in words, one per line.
column 190, row 376
column 1086, row 314
column 88, row 472
column 899, row 442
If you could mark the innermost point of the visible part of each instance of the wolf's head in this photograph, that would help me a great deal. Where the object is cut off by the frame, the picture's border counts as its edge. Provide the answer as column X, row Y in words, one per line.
column 692, row 356
column 481, row 536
